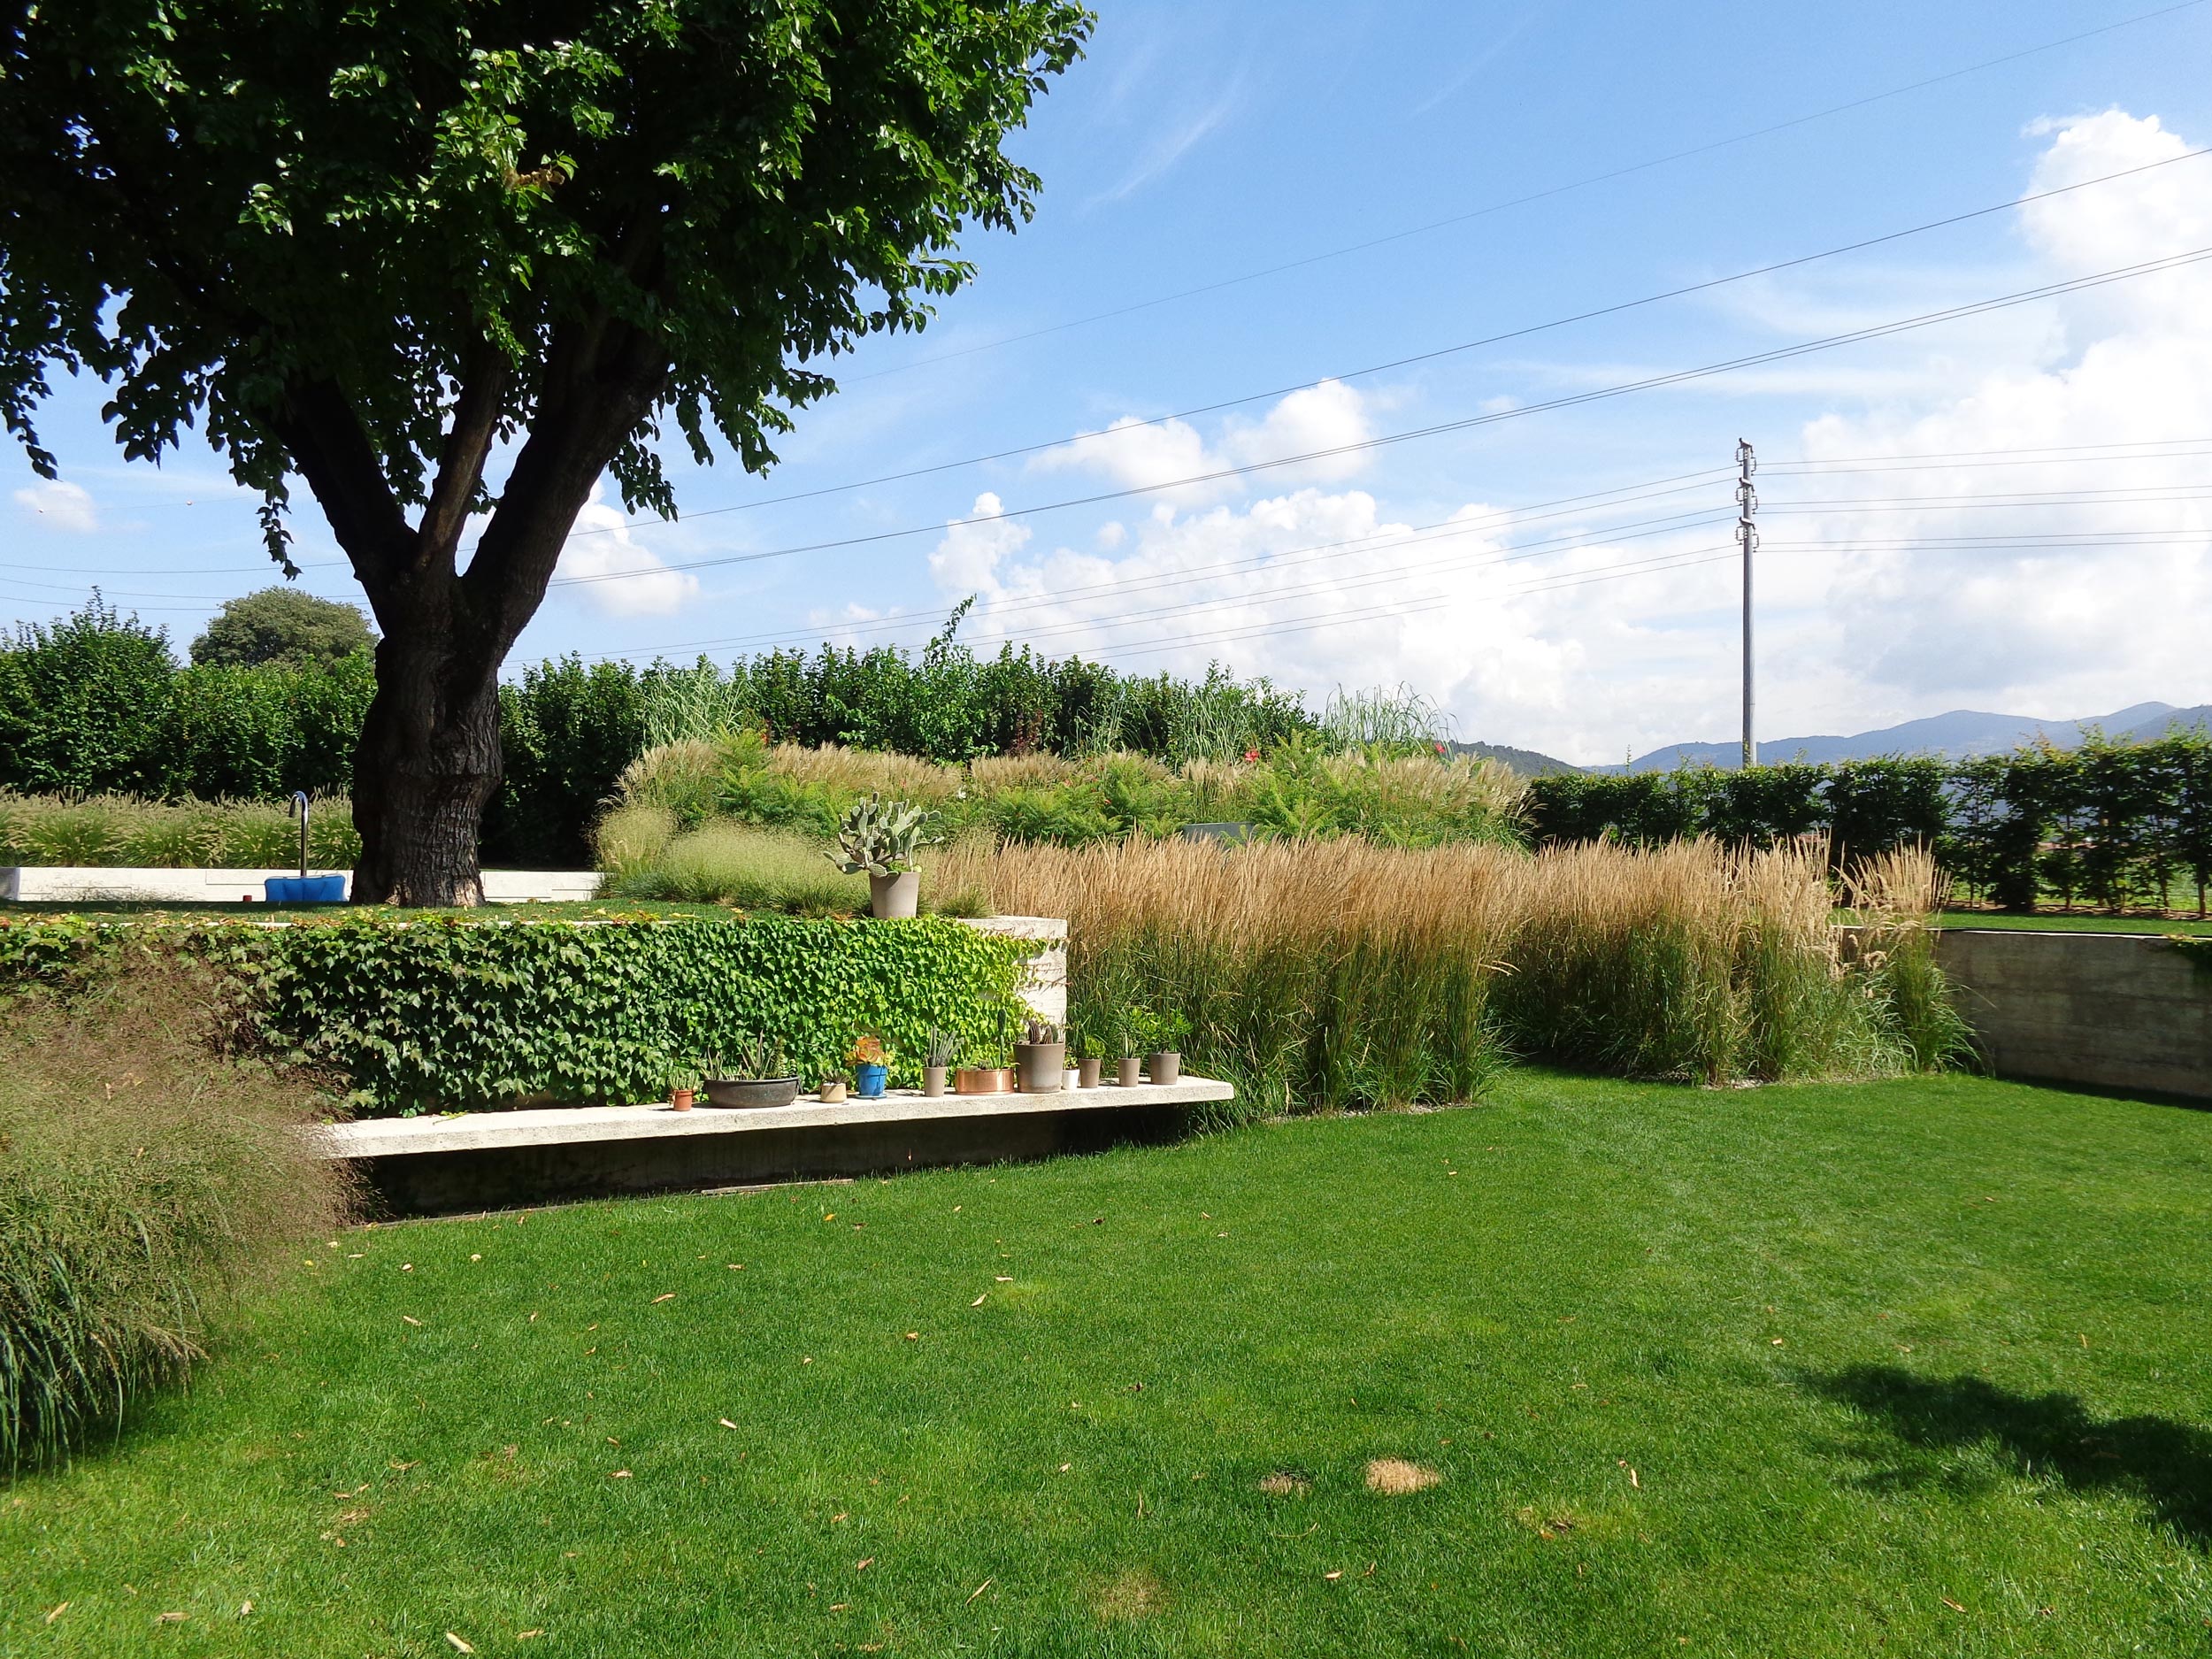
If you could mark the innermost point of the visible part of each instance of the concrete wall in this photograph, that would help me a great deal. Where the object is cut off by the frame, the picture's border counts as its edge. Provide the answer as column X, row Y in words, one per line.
column 2111, row 1011
column 51, row 884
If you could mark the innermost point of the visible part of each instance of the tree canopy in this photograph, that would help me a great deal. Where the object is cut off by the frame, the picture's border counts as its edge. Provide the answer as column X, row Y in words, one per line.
column 281, row 625
column 375, row 247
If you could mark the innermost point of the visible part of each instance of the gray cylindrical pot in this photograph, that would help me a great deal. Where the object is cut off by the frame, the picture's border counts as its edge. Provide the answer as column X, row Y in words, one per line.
column 1042, row 1066
column 1166, row 1066
column 893, row 896
column 1131, row 1072
column 1087, row 1072
column 933, row 1080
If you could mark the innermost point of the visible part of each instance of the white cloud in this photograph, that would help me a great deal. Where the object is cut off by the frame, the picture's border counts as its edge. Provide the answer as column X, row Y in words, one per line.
column 2104, row 607
column 646, row 587
column 1314, row 420
column 64, row 506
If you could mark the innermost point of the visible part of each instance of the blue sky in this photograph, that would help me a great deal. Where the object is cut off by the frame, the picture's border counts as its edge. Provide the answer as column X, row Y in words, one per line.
column 1197, row 146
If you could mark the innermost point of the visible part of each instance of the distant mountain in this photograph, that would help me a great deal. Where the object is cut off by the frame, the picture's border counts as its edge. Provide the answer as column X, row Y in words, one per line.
column 1527, row 762
column 1958, row 735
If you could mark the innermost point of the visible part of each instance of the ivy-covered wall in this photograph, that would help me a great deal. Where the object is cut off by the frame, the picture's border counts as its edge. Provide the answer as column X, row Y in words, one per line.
column 461, row 1014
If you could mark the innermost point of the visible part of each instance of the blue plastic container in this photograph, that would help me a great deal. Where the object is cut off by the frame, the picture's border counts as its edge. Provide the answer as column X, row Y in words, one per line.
column 867, row 1081
column 305, row 890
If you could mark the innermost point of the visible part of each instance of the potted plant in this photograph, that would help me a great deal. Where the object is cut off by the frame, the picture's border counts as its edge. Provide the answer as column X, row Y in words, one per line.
column 683, row 1086
column 831, row 1089
column 879, row 839
column 754, row 1076
column 1041, row 1061
column 982, row 1079
column 940, row 1053
column 870, row 1068
column 1128, row 1068
column 1161, row 1037
column 1083, row 1050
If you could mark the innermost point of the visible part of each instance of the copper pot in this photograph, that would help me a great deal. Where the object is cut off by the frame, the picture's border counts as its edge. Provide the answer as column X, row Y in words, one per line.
column 983, row 1080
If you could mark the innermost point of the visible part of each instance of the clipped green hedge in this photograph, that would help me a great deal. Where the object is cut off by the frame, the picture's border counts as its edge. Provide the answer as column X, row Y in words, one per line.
column 459, row 1014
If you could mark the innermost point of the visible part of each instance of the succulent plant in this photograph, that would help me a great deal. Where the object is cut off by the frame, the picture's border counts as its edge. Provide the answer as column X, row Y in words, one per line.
column 880, row 837
column 942, row 1046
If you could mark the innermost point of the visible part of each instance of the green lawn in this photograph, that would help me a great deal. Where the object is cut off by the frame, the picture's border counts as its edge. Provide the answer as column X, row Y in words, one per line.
column 2072, row 924
column 1914, row 1368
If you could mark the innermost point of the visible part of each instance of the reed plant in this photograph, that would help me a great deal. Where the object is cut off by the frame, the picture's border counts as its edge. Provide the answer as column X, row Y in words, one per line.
column 1894, row 899
column 134, row 832
column 1333, row 974
column 144, row 1181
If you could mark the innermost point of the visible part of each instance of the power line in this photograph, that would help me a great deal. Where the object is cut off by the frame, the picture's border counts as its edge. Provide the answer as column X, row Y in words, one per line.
column 1537, row 195
column 1675, row 377
column 1408, row 361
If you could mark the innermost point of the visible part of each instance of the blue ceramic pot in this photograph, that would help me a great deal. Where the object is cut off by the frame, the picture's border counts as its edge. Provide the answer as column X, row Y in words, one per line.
column 867, row 1081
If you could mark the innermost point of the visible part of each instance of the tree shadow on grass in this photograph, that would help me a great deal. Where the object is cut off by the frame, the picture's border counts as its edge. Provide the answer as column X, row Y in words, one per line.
column 2169, row 1463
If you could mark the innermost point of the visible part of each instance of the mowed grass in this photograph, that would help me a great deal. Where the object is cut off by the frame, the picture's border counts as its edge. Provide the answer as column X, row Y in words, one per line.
column 1917, row 1367
column 2072, row 923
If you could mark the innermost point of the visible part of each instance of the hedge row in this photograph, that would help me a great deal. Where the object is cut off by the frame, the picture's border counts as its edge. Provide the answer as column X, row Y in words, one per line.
column 96, row 703
column 465, row 1014
column 2117, row 825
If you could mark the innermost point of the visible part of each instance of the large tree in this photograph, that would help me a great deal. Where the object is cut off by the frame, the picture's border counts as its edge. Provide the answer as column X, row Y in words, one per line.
column 377, row 246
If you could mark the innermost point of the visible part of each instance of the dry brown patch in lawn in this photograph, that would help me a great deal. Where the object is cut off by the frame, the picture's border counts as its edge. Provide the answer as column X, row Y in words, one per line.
column 1394, row 1476
column 1133, row 1595
column 1281, row 1485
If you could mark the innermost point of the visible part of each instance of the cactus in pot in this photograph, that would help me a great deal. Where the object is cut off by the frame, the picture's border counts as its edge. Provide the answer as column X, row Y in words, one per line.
column 880, row 840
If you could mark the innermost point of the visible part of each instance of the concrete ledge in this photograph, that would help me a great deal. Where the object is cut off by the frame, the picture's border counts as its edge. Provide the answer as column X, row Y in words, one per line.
column 61, row 884
column 490, row 1160
column 574, row 1125
column 2124, row 1011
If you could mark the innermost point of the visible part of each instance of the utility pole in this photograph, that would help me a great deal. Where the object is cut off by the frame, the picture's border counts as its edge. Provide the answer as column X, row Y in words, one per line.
column 1747, row 538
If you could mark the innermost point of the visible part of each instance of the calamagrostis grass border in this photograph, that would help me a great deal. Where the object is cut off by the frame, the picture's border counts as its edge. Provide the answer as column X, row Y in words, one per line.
column 1320, row 975
column 132, row 830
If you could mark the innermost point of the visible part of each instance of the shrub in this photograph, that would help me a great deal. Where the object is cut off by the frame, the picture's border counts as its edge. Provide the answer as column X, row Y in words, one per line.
column 143, row 1182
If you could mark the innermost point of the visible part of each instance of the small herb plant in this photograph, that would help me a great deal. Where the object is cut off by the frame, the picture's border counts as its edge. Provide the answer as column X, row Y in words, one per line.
column 880, row 838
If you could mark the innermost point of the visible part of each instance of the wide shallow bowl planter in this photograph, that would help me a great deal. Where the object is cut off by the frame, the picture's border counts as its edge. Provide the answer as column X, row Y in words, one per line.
column 745, row 1093
column 1129, row 1072
column 1166, row 1066
column 1040, row 1065
column 1086, row 1074
column 890, row 898
column 867, row 1081
column 933, row 1080
column 983, row 1080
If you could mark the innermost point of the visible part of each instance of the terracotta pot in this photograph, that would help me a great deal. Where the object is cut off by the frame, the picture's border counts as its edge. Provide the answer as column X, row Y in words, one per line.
column 1086, row 1074
column 893, row 896
column 1040, row 1065
column 933, row 1080
column 981, row 1079
column 680, row 1099
column 1130, row 1072
column 1166, row 1066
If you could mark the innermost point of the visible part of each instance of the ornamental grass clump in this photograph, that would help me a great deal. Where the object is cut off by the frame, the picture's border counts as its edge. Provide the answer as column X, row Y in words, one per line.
column 131, row 832
column 1330, row 974
column 144, row 1182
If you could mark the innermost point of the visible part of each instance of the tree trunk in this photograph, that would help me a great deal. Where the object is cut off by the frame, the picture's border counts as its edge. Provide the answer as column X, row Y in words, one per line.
column 427, row 767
